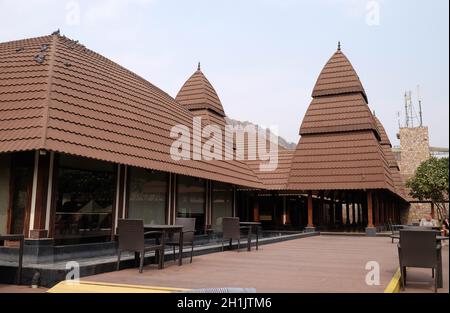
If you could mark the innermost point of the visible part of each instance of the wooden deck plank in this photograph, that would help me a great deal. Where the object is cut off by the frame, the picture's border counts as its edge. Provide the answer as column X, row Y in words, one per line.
column 316, row 264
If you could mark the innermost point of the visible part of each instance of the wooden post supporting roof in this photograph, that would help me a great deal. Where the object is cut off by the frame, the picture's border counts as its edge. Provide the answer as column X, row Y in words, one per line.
column 310, row 210
column 39, row 228
column 369, row 210
column 354, row 221
column 370, row 229
column 347, row 210
column 320, row 212
column 256, row 209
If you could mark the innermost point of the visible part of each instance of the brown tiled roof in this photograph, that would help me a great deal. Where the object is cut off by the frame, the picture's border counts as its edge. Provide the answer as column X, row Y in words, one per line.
column 23, row 94
column 277, row 179
column 347, row 160
column 338, row 77
column 338, row 113
column 198, row 94
column 78, row 102
column 339, row 146
column 393, row 165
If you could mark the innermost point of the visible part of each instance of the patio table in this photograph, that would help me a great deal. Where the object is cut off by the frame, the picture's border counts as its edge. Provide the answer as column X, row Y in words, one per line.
column 20, row 239
column 251, row 225
column 168, row 229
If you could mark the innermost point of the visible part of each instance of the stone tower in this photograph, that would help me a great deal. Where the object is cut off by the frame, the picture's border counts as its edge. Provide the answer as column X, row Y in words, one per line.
column 414, row 147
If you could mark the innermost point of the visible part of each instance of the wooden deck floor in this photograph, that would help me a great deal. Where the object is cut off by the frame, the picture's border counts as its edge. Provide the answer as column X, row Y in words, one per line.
column 316, row 264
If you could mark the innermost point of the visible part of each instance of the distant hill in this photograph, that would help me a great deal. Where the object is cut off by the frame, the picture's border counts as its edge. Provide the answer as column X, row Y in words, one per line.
column 281, row 141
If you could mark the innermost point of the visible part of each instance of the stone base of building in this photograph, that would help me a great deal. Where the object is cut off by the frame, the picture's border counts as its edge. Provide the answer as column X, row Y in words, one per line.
column 371, row 231
column 310, row 229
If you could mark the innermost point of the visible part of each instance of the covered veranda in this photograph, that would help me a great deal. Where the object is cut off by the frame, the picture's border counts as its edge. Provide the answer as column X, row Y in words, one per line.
column 327, row 210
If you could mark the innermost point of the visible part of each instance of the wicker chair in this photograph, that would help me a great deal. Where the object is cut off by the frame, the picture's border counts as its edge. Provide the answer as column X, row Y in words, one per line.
column 419, row 248
column 188, row 235
column 132, row 238
column 231, row 230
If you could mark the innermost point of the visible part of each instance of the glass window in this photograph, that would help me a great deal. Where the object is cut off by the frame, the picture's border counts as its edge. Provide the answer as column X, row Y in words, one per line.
column 22, row 178
column 147, row 195
column 222, row 204
column 84, row 200
column 191, row 200
column 5, row 162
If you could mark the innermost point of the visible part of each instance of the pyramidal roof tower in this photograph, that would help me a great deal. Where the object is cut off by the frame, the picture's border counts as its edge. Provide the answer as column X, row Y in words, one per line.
column 389, row 155
column 340, row 146
column 337, row 77
column 199, row 97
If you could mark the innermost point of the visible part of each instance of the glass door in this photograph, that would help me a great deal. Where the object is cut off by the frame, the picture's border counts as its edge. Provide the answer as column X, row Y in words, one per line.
column 21, row 184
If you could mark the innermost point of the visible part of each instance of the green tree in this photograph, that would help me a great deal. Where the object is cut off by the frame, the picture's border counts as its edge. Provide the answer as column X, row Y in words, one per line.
column 430, row 182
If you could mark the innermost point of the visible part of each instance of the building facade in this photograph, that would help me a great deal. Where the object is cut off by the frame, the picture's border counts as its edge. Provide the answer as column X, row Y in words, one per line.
column 84, row 142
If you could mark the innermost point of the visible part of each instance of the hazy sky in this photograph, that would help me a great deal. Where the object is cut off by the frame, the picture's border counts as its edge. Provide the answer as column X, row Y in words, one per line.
column 263, row 56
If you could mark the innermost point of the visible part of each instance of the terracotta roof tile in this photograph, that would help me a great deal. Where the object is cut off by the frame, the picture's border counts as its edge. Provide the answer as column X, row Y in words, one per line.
column 340, row 145
column 80, row 103
column 393, row 165
column 198, row 94
column 338, row 77
column 338, row 113
column 339, row 161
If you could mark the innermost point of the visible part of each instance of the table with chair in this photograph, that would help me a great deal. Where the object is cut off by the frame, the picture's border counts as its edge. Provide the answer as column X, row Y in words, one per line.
column 179, row 236
column 133, row 236
column 421, row 247
column 253, row 227
column 232, row 228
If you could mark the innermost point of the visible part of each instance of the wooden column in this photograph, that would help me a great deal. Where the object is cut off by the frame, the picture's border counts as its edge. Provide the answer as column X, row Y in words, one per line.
column 320, row 212
column 40, row 194
column 332, row 210
column 354, row 221
column 369, row 210
column 310, row 210
column 376, row 211
column 347, row 210
column 338, row 211
column 256, row 209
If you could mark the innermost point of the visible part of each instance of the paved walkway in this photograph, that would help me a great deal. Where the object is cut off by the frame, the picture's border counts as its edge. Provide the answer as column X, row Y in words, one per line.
column 20, row 289
column 316, row 264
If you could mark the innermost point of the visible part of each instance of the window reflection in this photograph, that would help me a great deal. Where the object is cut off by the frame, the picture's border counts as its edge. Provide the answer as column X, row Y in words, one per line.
column 191, row 200
column 85, row 197
column 147, row 196
column 222, row 204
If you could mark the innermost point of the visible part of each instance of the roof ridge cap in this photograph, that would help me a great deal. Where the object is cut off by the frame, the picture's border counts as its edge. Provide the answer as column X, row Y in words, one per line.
column 204, row 85
column 47, row 100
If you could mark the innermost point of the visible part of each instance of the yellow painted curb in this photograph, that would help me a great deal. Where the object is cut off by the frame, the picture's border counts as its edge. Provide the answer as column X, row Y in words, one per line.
column 97, row 287
column 394, row 284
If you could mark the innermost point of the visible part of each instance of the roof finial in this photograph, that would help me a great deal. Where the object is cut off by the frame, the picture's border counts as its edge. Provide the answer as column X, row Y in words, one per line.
column 198, row 69
column 56, row 32
column 339, row 46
